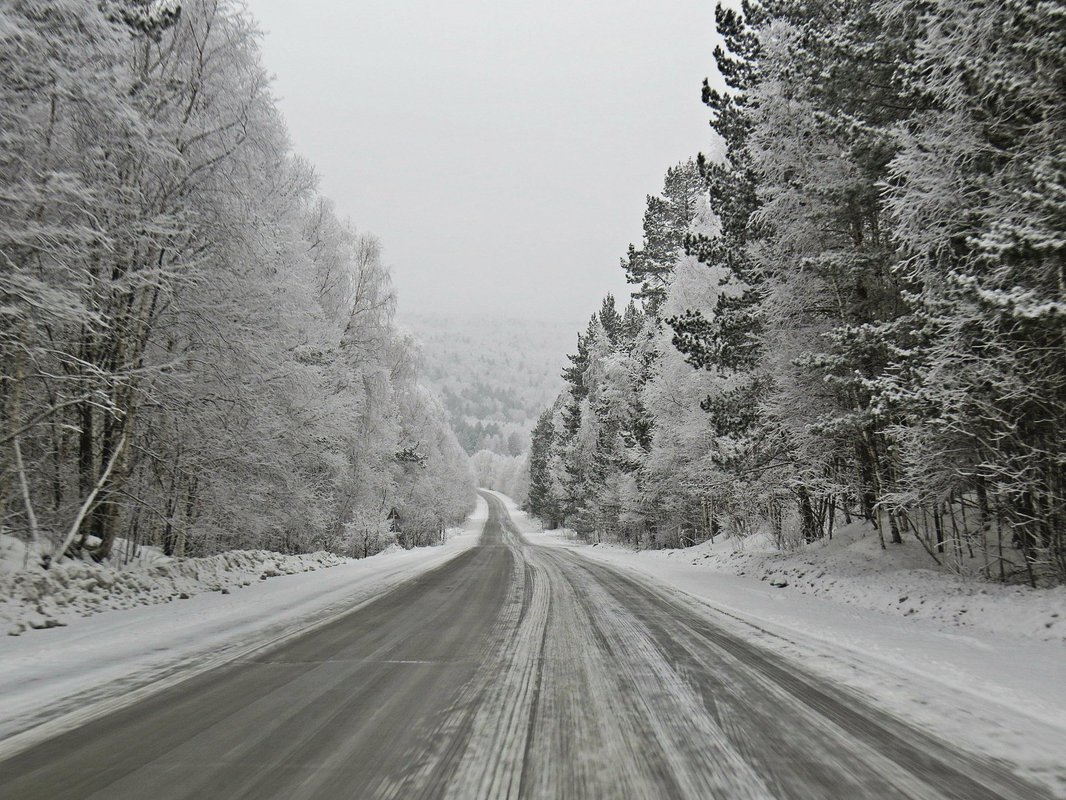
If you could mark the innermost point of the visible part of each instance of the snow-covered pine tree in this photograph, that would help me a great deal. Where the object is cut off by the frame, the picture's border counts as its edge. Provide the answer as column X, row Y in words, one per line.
column 978, row 206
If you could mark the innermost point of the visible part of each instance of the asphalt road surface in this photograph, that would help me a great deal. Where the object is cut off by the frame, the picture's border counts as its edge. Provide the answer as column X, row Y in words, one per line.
column 511, row 671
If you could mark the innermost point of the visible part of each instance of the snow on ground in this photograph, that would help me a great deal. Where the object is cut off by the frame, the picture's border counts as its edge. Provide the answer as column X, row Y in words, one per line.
column 37, row 598
column 54, row 679
column 969, row 676
column 853, row 569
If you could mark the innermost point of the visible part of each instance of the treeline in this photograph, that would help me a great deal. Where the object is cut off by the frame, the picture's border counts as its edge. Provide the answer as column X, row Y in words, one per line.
column 502, row 473
column 855, row 308
column 494, row 374
column 194, row 351
column 478, row 435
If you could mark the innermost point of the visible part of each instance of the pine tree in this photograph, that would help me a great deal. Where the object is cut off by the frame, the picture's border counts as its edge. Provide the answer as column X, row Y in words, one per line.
column 666, row 222
column 977, row 202
column 542, row 502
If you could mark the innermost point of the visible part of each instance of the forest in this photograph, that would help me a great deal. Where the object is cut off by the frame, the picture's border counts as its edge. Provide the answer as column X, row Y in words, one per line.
column 196, row 352
column 493, row 372
column 852, row 307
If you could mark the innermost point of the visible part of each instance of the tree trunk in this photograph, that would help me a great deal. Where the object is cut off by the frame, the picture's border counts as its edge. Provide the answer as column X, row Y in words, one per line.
column 808, row 523
column 938, row 525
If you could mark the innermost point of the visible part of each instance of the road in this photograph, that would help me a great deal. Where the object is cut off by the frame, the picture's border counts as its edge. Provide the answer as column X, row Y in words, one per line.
column 511, row 671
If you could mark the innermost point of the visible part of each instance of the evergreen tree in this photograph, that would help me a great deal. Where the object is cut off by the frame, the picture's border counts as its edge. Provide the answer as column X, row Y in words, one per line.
column 666, row 221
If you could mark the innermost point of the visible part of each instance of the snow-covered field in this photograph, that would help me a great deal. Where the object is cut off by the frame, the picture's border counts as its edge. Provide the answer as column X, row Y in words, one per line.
column 992, row 677
column 55, row 678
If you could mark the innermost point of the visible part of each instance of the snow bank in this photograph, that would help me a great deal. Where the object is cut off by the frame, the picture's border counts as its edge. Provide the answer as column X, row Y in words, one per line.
column 35, row 598
column 854, row 570
column 39, row 598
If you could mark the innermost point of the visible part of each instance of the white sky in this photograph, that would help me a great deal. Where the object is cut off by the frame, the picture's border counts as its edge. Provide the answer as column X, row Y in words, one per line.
column 500, row 150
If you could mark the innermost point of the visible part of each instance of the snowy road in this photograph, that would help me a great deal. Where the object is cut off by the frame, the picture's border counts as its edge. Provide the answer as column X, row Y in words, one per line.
column 512, row 670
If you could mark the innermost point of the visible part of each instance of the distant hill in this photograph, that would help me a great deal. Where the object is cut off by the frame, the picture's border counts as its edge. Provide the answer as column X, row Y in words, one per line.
column 494, row 374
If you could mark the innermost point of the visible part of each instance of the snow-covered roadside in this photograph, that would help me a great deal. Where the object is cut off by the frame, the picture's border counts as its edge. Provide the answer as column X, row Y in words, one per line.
column 853, row 570
column 52, row 598
column 52, row 680
column 995, row 693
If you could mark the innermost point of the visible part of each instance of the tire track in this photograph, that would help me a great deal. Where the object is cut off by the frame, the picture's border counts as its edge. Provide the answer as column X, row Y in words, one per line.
column 493, row 762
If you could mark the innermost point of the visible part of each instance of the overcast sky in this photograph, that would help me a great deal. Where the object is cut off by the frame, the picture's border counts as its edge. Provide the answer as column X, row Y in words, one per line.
column 500, row 150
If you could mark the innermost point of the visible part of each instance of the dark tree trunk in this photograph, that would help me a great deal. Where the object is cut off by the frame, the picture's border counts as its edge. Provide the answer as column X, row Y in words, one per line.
column 808, row 522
